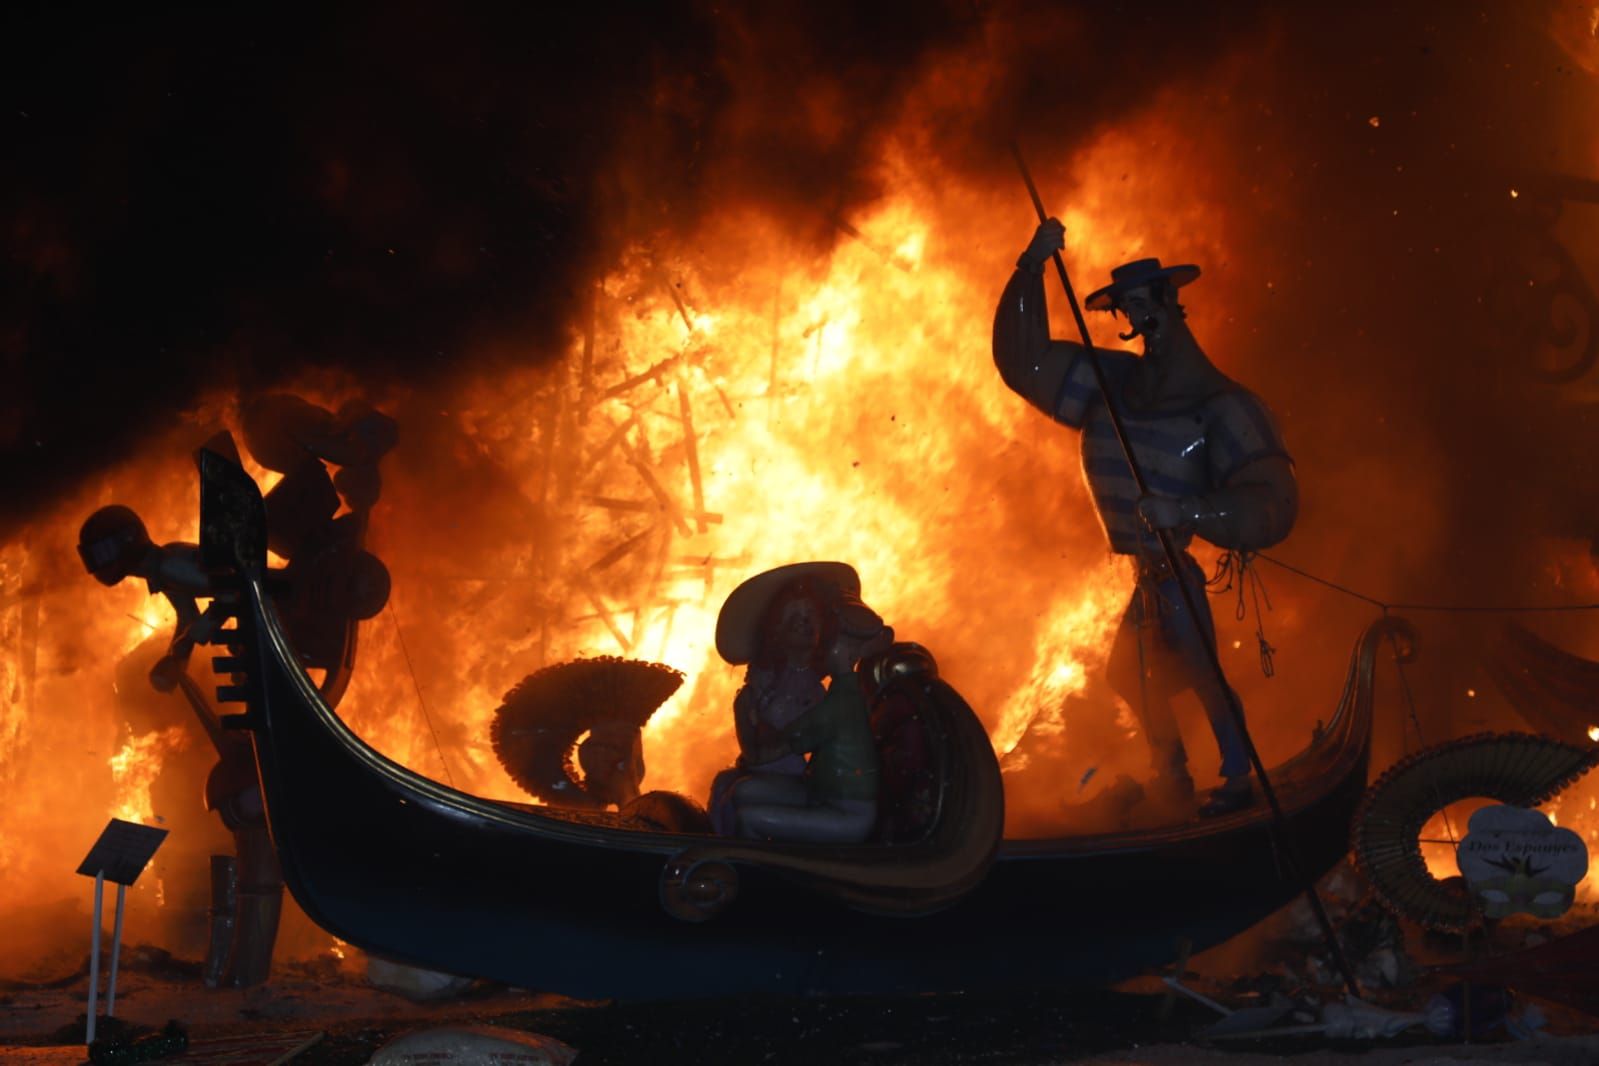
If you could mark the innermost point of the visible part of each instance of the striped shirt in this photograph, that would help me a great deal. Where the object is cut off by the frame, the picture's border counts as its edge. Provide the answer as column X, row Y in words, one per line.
column 1186, row 452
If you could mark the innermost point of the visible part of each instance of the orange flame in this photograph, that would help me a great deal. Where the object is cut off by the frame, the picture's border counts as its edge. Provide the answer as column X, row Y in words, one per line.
column 750, row 405
column 136, row 765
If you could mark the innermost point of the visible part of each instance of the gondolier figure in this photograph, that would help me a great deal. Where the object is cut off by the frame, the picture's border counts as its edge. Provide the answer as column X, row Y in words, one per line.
column 1213, row 461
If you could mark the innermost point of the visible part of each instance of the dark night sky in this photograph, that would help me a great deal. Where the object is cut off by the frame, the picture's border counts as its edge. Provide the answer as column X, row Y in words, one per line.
column 200, row 198
column 212, row 197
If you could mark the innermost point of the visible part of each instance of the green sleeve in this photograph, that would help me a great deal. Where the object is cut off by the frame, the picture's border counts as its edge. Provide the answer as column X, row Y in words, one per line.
column 812, row 729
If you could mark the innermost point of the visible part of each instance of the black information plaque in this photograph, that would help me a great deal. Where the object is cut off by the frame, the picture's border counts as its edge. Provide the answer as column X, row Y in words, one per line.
column 123, row 851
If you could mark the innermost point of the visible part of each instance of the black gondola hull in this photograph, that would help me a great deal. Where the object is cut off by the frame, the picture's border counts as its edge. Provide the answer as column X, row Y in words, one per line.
column 406, row 868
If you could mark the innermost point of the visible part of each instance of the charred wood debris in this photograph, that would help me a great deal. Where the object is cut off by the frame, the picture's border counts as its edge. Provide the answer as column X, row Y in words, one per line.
column 1286, row 994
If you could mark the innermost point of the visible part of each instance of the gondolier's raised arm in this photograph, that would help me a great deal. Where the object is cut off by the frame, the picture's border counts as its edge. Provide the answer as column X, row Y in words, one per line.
column 1052, row 375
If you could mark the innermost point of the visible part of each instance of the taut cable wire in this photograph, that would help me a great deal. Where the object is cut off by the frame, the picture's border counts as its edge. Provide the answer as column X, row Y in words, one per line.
column 1444, row 608
column 1440, row 608
column 394, row 616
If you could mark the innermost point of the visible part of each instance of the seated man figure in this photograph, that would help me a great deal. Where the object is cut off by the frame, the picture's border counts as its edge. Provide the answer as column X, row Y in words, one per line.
column 114, row 546
column 836, row 799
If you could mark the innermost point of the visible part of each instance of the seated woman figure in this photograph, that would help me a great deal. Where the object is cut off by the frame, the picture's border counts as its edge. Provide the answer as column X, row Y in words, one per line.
column 774, row 622
column 836, row 799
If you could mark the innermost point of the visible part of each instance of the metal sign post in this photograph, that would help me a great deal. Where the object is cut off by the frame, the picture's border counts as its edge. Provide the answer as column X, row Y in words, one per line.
column 120, row 855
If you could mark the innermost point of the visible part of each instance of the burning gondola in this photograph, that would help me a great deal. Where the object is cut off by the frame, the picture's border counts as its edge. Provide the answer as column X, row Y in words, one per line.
column 584, row 903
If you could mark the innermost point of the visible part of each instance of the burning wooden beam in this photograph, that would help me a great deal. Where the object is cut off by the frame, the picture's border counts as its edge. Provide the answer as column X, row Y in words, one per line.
column 585, row 378
column 652, row 374
column 704, row 567
column 669, row 505
column 671, row 290
column 612, row 503
column 771, row 379
column 620, row 551
column 663, row 549
column 741, row 559
column 603, row 611
column 670, row 610
column 893, row 259
column 691, row 451
column 614, row 438
column 552, row 440
column 816, row 333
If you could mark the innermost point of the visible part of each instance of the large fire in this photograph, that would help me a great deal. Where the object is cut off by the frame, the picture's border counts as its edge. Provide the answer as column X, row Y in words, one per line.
column 733, row 404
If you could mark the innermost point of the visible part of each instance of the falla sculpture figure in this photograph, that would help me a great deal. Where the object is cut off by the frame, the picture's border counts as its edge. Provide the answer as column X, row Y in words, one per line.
column 1215, row 466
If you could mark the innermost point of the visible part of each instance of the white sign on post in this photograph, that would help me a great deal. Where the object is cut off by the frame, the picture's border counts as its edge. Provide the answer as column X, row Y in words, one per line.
column 1516, row 861
column 120, row 855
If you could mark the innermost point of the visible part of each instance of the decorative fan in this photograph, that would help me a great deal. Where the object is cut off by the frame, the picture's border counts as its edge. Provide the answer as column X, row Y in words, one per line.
column 1521, row 769
column 1555, row 691
column 539, row 723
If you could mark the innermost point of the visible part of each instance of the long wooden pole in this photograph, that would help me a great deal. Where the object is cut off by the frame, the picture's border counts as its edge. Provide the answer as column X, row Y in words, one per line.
column 1169, row 550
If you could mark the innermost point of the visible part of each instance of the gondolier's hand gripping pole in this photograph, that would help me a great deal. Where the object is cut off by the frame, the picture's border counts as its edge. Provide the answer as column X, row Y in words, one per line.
column 1047, row 243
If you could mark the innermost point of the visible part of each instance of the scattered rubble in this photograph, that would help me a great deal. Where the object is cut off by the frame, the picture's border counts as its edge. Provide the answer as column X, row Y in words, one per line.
column 1297, row 990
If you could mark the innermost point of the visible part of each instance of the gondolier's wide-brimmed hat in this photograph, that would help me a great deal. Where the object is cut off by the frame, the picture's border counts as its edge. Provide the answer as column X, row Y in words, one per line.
column 1130, row 276
column 738, row 624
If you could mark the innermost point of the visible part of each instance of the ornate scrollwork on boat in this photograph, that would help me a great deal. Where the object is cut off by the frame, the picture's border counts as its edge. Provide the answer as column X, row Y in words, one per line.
column 697, row 891
column 1535, row 292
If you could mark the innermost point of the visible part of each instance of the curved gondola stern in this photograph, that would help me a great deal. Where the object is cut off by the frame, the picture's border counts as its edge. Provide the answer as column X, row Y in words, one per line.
column 1339, row 754
column 233, row 547
column 1342, row 745
column 1357, row 708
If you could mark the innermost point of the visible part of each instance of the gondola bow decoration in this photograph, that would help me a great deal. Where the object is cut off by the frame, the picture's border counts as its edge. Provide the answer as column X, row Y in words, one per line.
column 537, row 729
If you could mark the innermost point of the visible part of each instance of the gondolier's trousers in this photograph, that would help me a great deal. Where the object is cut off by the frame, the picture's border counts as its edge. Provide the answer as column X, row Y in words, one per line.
column 1160, row 652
